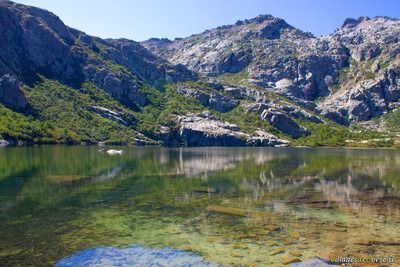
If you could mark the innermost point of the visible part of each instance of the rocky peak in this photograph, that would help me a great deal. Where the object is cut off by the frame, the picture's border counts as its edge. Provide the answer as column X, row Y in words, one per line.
column 35, row 41
column 229, row 48
column 264, row 19
column 265, row 26
column 272, row 27
column 377, row 29
column 158, row 41
column 367, row 38
column 367, row 21
column 46, row 19
column 352, row 22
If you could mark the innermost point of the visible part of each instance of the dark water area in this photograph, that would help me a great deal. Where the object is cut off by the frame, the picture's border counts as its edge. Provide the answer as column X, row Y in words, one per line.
column 231, row 206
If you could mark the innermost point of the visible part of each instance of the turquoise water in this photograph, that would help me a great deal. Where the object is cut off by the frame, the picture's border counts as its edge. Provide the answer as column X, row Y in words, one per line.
column 231, row 206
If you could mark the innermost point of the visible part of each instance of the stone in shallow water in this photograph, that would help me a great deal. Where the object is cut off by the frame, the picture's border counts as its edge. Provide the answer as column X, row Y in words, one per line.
column 10, row 252
column 312, row 263
column 208, row 190
column 288, row 259
column 133, row 256
column 238, row 212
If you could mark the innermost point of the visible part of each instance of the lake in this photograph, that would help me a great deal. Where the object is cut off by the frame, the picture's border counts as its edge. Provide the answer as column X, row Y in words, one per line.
column 231, row 206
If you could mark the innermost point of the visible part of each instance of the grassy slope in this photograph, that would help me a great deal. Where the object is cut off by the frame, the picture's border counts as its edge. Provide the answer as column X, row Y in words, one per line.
column 392, row 120
column 332, row 134
column 166, row 102
column 19, row 127
column 60, row 115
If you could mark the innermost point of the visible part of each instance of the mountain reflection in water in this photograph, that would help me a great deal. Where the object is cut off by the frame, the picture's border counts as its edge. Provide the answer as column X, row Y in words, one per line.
column 237, row 206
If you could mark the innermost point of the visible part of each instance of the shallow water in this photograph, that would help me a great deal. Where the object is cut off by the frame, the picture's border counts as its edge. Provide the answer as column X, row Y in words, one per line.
column 232, row 206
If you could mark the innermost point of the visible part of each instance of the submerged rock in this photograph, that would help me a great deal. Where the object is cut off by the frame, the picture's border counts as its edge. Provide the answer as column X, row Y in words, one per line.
column 277, row 251
column 10, row 252
column 238, row 212
column 207, row 190
column 313, row 263
column 133, row 256
column 288, row 259
column 378, row 243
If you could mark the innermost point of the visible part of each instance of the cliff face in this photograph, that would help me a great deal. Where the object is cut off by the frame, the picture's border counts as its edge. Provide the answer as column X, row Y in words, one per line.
column 369, row 86
column 261, row 74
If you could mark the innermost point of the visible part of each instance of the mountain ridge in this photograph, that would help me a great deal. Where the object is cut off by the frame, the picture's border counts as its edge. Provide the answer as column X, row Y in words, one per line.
column 323, row 57
column 275, row 83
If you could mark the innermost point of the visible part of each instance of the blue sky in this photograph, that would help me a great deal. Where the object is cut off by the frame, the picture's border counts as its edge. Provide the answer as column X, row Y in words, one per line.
column 140, row 20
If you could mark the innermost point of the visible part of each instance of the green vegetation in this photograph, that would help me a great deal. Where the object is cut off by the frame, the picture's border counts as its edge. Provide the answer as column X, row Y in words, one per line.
column 61, row 114
column 383, row 65
column 332, row 134
column 18, row 127
column 165, row 102
column 67, row 110
column 362, row 70
column 392, row 120
column 355, row 72
column 248, row 122
column 344, row 74
column 97, row 57
column 235, row 78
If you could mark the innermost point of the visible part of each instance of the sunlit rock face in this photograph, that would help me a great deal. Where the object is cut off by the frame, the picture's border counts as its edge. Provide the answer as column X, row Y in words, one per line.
column 204, row 129
column 11, row 93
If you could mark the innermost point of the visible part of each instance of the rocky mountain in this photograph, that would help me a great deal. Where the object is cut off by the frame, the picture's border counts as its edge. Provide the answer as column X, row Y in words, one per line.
column 35, row 42
column 369, row 86
column 362, row 56
column 259, row 82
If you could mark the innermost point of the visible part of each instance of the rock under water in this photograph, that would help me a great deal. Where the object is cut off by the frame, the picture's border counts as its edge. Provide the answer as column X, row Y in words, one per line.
column 315, row 262
column 135, row 255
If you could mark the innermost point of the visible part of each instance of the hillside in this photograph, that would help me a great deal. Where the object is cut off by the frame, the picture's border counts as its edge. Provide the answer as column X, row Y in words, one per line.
column 259, row 82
